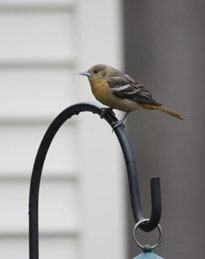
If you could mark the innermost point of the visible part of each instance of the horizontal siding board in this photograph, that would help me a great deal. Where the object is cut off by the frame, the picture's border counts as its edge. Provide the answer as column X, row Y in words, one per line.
column 35, row 37
column 36, row 64
column 37, row 7
column 59, row 207
column 52, row 248
column 48, row 233
column 62, row 248
column 20, row 143
column 36, row 2
column 48, row 176
column 35, row 93
column 9, row 9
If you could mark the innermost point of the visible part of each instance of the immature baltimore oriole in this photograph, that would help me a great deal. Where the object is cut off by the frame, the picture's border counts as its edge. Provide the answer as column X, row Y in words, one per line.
column 119, row 91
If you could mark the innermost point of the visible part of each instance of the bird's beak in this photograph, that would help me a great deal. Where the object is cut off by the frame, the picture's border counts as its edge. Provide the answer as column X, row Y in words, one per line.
column 85, row 73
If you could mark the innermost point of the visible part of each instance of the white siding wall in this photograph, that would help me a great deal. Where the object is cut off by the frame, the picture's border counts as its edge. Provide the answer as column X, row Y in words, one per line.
column 43, row 43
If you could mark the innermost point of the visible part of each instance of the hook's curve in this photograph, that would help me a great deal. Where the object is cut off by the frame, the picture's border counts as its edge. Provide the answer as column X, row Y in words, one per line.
column 130, row 164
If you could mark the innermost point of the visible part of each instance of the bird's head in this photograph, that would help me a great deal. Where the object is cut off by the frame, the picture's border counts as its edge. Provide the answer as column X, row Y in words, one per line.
column 98, row 72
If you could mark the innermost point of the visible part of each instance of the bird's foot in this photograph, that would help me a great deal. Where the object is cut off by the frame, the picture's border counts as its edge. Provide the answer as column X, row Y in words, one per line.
column 117, row 124
column 104, row 111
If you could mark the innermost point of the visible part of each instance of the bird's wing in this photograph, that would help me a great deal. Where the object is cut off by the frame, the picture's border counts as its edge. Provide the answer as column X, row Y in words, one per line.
column 126, row 87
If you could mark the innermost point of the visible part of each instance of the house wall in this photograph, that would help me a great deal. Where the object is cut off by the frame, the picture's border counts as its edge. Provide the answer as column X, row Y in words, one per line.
column 43, row 45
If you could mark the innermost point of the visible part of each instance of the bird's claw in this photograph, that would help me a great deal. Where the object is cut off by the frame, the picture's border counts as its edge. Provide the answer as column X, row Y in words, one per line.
column 113, row 124
column 104, row 111
column 117, row 124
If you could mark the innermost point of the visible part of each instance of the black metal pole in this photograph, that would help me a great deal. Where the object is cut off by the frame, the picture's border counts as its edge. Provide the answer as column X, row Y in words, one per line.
column 130, row 164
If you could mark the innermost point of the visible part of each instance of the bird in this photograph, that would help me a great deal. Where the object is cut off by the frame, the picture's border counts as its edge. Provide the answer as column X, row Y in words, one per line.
column 118, row 90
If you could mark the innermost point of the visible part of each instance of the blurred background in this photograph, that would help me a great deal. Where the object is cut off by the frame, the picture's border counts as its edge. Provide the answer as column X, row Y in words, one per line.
column 84, row 202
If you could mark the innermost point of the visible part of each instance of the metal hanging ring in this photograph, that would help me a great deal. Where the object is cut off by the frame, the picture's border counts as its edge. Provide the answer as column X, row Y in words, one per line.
column 135, row 238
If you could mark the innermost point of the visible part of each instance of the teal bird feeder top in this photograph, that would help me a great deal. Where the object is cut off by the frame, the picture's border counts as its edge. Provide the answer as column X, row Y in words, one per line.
column 147, row 254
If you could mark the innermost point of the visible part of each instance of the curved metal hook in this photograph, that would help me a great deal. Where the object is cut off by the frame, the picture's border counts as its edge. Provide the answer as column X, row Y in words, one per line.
column 130, row 164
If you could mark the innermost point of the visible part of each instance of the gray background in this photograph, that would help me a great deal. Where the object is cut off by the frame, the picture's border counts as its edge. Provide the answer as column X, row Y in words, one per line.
column 164, row 50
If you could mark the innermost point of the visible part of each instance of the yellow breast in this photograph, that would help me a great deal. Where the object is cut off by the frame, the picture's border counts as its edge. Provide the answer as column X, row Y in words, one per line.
column 100, row 89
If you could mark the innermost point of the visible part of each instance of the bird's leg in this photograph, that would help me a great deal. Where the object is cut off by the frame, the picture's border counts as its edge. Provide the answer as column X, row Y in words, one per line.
column 125, row 116
column 120, row 122
column 104, row 111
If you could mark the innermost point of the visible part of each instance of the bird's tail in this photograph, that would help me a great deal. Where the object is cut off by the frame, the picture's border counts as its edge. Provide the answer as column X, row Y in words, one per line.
column 163, row 109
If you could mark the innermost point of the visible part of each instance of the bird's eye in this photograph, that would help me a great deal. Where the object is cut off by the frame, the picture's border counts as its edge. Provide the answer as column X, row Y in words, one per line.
column 95, row 71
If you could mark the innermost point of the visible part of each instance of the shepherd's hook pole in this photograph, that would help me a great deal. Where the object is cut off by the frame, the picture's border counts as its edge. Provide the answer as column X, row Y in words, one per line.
column 130, row 165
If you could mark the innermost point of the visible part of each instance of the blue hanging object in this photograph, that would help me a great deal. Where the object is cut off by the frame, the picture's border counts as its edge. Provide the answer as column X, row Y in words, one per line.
column 147, row 254
column 147, row 249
